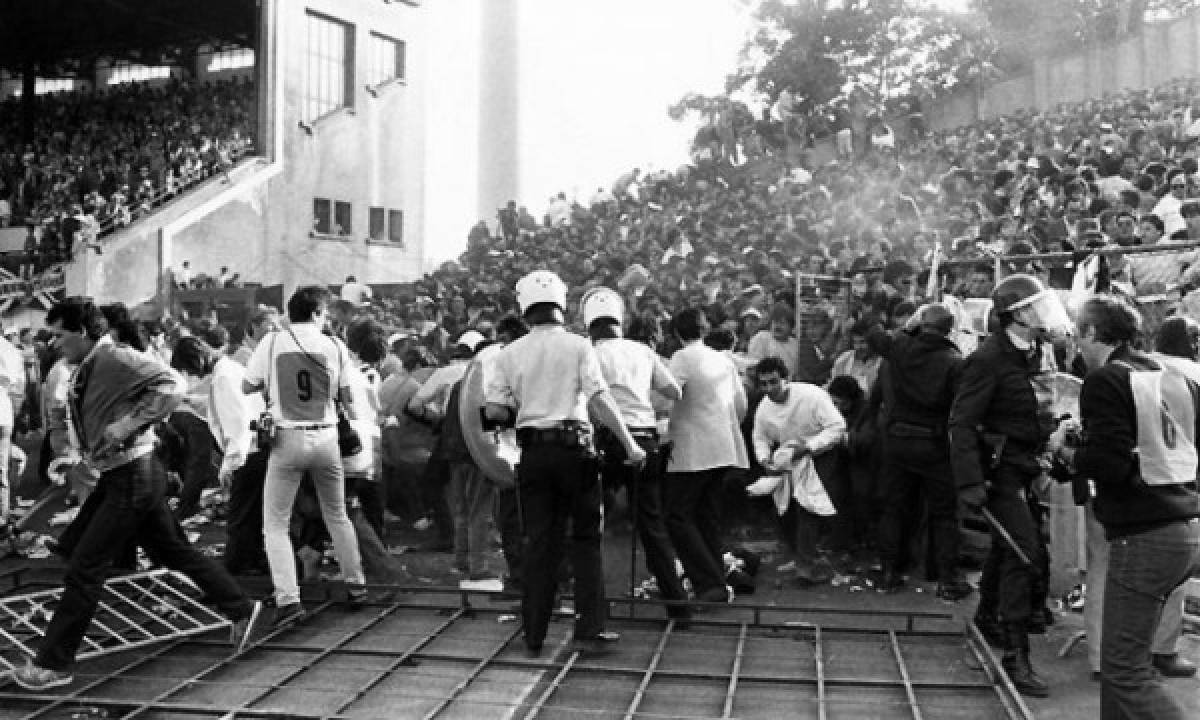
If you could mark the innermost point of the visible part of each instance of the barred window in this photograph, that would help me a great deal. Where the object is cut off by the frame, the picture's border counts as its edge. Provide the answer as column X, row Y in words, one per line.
column 329, row 77
column 385, row 59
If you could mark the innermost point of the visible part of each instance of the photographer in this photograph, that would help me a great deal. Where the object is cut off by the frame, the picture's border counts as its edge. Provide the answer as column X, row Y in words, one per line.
column 1138, row 447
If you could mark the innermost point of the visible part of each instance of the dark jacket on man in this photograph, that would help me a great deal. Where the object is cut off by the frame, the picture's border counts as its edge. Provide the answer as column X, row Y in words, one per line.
column 996, row 408
column 1124, row 504
column 923, row 373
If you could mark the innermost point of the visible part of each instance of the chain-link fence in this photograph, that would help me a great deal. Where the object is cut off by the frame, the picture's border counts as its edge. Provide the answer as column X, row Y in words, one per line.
column 1157, row 278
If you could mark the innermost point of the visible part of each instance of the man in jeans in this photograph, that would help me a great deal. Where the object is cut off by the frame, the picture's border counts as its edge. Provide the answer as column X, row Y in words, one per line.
column 302, row 372
column 1138, row 446
column 116, row 396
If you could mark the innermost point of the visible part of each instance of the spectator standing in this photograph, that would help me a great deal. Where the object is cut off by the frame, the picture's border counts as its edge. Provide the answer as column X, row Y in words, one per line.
column 184, row 276
column 12, row 390
column 263, row 321
column 243, row 468
column 923, row 369
column 706, row 442
column 778, row 339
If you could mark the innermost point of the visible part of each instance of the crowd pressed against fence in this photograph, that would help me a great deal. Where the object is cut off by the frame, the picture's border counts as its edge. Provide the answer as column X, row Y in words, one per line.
column 789, row 317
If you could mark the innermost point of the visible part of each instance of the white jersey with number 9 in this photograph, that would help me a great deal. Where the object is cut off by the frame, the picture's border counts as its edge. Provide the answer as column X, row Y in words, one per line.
column 303, row 374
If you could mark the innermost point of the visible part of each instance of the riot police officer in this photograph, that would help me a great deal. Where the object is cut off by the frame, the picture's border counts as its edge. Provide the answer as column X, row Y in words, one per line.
column 632, row 370
column 545, row 384
column 999, row 424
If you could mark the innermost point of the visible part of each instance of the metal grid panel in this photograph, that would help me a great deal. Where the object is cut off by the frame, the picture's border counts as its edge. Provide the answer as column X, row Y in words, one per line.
column 135, row 611
column 435, row 655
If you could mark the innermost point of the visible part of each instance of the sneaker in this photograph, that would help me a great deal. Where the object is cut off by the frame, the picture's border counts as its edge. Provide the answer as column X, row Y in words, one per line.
column 39, row 679
column 601, row 642
column 286, row 615
column 239, row 634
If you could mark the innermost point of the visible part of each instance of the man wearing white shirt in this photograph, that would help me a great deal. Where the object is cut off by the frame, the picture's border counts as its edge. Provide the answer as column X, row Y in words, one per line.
column 244, row 465
column 1169, row 205
column 802, row 417
column 264, row 319
column 632, row 370
column 706, row 441
column 777, row 340
column 12, row 381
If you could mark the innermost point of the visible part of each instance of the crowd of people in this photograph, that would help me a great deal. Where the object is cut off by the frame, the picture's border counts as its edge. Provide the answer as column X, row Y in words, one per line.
column 98, row 160
column 762, row 323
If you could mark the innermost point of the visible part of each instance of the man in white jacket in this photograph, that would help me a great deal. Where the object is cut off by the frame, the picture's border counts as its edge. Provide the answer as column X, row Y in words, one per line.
column 794, row 423
column 706, row 441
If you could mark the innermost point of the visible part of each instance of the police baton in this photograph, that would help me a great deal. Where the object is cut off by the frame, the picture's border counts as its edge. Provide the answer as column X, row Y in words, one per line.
column 1003, row 532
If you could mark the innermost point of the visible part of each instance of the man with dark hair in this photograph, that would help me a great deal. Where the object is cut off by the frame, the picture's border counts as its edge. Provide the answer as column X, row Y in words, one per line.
column 1139, row 448
column 243, row 467
column 795, row 425
column 117, row 396
column 923, row 368
column 706, row 442
column 302, row 373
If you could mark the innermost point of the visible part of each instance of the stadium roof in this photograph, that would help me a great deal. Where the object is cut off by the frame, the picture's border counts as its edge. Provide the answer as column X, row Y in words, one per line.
column 63, row 36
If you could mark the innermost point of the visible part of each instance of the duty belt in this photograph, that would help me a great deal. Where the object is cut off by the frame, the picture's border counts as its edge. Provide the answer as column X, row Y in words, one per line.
column 570, row 436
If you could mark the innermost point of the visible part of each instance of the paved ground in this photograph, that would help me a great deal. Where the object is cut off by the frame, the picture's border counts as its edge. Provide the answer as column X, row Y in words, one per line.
column 469, row 664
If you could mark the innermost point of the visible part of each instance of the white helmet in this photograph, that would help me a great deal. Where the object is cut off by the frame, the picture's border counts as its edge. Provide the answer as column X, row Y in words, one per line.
column 541, row 286
column 601, row 302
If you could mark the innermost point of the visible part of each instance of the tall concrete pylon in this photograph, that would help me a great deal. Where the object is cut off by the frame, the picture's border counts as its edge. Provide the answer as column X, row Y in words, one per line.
column 499, row 121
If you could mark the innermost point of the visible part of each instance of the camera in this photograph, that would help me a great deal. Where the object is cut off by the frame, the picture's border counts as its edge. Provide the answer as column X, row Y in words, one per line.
column 264, row 430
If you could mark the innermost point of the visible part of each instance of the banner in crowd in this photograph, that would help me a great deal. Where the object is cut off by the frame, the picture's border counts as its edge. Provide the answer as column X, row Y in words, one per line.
column 44, row 288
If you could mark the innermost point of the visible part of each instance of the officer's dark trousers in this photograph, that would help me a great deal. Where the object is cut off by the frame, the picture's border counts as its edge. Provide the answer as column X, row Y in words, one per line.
column 645, row 490
column 560, row 485
column 915, row 465
column 244, row 532
column 1016, row 580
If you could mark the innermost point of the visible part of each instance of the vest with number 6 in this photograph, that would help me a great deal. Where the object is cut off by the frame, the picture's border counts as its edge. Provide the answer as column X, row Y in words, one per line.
column 1165, row 403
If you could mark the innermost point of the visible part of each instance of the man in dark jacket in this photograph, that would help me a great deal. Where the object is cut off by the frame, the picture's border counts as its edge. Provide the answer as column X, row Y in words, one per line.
column 1139, row 448
column 999, row 424
column 923, row 372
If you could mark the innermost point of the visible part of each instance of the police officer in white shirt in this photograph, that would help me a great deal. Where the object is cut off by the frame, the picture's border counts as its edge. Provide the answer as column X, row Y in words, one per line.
column 632, row 370
column 302, row 372
column 545, row 384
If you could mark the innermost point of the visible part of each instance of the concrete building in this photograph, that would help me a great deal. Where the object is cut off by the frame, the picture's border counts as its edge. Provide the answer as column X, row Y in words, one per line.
column 337, row 184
